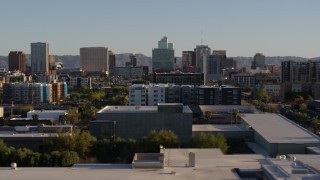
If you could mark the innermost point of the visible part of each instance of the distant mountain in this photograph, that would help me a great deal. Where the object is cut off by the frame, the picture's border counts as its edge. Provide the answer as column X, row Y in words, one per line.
column 276, row 60
column 73, row 61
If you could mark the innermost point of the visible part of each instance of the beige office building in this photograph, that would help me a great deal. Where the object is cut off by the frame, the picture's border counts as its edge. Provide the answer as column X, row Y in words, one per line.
column 94, row 59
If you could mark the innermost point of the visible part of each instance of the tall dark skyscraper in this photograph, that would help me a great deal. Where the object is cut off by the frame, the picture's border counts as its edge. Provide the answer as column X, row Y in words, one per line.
column 187, row 58
column 17, row 61
column 202, row 51
column 133, row 60
column 300, row 72
column 259, row 61
column 112, row 60
column 40, row 58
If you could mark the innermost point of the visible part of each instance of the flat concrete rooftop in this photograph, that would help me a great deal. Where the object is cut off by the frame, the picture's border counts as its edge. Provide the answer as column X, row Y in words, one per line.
column 228, row 108
column 139, row 109
column 216, row 127
column 12, row 134
column 278, row 129
column 310, row 160
column 210, row 164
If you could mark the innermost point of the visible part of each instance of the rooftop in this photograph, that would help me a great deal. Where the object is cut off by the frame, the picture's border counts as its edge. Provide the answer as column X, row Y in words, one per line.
column 310, row 160
column 142, row 109
column 48, row 111
column 6, row 134
column 210, row 164
column 216, row 127
column 278, row 129
column 227, row 108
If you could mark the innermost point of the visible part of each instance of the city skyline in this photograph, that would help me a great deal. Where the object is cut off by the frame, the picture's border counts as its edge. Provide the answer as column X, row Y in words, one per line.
column 285, row 28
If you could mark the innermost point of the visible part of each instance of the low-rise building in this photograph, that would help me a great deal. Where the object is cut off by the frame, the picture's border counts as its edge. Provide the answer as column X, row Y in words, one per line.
column 78, row 82
column 243, row 80
column 47, row 114
column 137, row 121
column 184, row 164
column 133, row 72
column 278, row 135
column 179, row 78
column 151, row 94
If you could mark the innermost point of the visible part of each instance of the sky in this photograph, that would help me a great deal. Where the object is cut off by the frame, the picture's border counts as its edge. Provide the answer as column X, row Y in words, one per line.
column 242, row 27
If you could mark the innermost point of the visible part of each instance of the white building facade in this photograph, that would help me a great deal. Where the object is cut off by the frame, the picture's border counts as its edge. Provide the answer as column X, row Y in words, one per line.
column 146, row 95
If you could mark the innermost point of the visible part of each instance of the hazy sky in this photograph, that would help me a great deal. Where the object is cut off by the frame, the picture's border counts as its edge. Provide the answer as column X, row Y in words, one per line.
column 242, row 27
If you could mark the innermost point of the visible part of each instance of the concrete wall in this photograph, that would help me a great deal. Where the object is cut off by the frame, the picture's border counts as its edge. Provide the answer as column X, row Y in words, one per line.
column 137, row 125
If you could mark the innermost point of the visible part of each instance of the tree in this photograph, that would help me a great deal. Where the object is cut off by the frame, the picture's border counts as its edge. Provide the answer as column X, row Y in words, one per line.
column 118, row 100
column 246, row 89
column 262, row 95
column 235, row 113
column 72, row 115
column 35, row 117
column 303, row 107
column 26, row 158
column 151, row 143
column 209, row 141
column 97, row 96
column 24, row 110
column 78, row 141
column 88, row 112
column 301, row 118
column 68, row 158
column 208, row 115
column 115, row 151
column 315, row 123
column 6, row 154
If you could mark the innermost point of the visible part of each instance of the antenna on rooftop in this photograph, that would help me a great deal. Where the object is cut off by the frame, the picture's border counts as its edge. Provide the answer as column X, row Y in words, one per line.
column 201, row 37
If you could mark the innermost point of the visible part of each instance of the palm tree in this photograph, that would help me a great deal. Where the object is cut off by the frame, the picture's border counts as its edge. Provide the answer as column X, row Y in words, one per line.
column 234, row 113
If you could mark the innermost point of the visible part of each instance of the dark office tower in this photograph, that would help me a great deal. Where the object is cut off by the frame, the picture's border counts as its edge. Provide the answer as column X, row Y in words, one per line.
column 17, row 61
column 163, row 56
column 112, row 60
column 40, row 58
column 299, row 72
column 133, row 60
column 202, row 53
column 259, row 61
column 187, row 59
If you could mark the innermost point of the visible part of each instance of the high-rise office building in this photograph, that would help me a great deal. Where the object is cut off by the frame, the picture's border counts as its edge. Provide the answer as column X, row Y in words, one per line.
column 259, row 61
column 40, row 58
column 52, row 62
column 202, row 51
column 94, row 59
column 217, row 65
column 188, row 59
column 17, row 61
column 300, row 72
column 163, row 56
column 133, row 60
column 112, row 60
